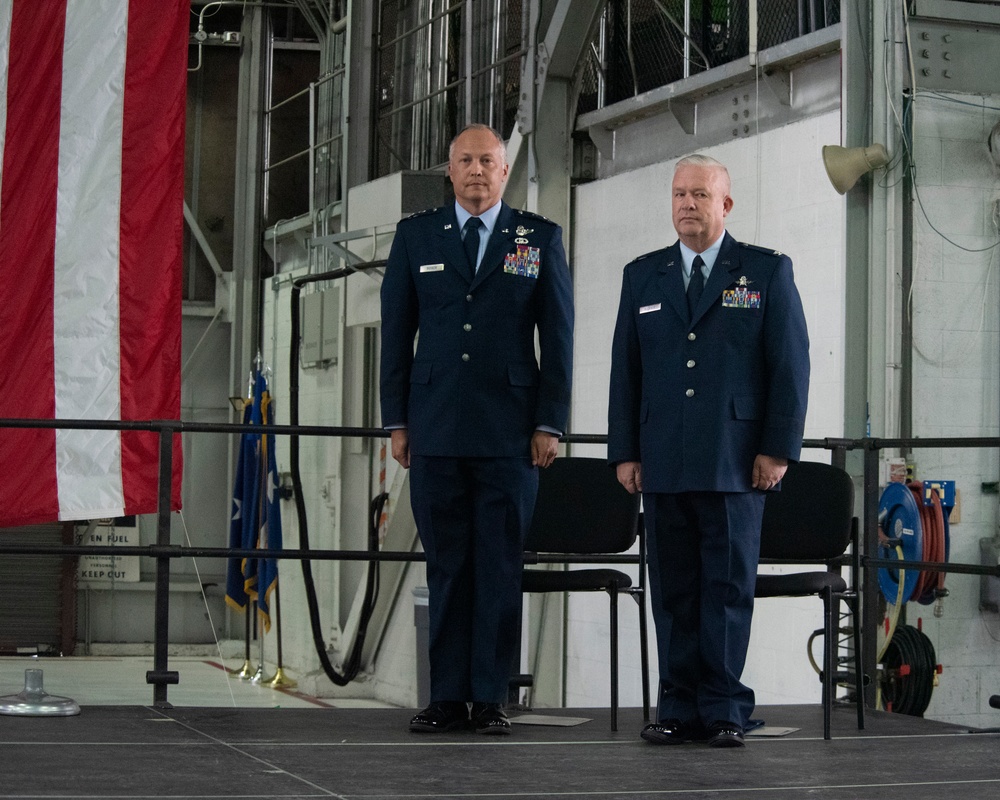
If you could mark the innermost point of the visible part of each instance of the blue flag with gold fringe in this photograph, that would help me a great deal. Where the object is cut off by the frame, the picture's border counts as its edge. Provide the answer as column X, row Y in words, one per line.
column 269, row 526
column 255, row 522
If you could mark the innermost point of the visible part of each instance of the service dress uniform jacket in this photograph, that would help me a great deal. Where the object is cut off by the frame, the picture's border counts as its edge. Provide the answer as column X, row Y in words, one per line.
column 694, row 398
column 472, row 395
column 474, row 388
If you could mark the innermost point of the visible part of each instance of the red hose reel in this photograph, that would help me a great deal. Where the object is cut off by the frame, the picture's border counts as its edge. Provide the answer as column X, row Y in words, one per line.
column 916, row 515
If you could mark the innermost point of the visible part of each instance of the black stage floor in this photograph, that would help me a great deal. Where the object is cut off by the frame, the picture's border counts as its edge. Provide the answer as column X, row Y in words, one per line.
column 136, row 752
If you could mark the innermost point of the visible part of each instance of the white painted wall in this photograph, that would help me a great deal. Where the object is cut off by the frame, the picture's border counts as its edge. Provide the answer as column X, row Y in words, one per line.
column 956, row 387
column 340, row 475
column 319, row 404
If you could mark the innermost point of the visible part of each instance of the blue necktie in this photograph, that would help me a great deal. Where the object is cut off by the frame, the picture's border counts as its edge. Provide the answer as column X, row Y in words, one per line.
column 696, row 285
column 471, row 241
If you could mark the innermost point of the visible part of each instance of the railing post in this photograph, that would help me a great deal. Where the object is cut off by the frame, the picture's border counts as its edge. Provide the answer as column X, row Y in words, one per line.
column 869, row 597
column 160, row 676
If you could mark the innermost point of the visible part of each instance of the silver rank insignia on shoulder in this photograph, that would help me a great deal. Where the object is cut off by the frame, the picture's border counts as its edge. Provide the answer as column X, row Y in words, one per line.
column 743, row 281
column 522, row 231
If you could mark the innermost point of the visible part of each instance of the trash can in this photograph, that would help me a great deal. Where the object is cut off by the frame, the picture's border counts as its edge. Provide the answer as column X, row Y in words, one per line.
column 422, row 622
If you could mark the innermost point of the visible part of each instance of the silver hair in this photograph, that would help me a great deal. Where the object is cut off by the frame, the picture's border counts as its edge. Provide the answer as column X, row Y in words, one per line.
column 478, row 126
column 701, row 160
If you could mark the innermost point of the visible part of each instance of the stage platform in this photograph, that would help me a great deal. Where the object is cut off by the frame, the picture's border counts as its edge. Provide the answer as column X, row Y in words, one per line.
column 354, row 753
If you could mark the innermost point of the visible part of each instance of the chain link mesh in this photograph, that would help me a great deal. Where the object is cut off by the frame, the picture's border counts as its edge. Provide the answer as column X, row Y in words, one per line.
column 648, row 43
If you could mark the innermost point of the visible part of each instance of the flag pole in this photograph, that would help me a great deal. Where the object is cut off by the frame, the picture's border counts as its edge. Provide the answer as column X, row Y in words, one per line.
column 263, row 478
column 246, row 671
column 258, row 676
column 280, row 680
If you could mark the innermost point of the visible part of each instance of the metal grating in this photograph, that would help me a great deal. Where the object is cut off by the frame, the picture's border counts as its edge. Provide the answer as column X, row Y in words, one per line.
column 645, row 44
column 440, row 65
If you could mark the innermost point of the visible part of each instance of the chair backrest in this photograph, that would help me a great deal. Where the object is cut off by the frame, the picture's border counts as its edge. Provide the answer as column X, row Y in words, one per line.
column 581, row 508
column 810, row 518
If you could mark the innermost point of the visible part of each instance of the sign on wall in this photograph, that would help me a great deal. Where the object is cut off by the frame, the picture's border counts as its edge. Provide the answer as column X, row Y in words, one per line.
column 109, row 568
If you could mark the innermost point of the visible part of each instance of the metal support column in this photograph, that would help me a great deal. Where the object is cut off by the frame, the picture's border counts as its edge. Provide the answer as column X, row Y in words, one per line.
column 870, row 618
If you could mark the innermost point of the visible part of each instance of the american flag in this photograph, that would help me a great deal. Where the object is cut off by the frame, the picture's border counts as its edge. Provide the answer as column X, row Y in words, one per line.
column 91, row 199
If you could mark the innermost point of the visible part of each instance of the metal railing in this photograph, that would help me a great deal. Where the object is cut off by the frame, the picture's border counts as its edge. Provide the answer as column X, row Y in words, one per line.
column 163, row 551
column 324, row 151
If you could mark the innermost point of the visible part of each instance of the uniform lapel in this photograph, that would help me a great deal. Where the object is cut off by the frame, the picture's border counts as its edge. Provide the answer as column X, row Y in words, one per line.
column 727, row 262
column 672, row 280
column 499, row 244
column 450, row 242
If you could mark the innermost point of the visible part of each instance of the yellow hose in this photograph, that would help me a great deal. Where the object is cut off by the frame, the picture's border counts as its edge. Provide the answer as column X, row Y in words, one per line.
column 893, row 620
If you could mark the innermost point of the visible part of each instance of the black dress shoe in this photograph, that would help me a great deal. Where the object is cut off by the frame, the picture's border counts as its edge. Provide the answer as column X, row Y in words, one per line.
column 725, row 734
column 668, row 731
column 490, row 719
column 440, row 717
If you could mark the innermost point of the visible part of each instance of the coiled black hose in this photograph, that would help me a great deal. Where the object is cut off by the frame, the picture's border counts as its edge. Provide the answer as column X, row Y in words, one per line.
column 910, row 668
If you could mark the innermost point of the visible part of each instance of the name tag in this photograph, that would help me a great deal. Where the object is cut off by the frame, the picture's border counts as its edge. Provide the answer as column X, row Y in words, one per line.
column 647, row 309
column 432, row 267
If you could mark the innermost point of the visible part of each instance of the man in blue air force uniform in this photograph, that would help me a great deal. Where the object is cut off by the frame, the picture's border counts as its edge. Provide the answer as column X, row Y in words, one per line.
column 473, row 414
column 709, row 379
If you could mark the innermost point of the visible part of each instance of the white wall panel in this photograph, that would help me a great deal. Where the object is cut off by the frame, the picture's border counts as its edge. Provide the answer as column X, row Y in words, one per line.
column 955, row 376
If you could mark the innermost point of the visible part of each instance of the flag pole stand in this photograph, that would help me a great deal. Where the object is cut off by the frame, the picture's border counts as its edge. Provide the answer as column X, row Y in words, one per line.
column 258, row 676
column 33, row 701
column 280, row 680
column 246, row 671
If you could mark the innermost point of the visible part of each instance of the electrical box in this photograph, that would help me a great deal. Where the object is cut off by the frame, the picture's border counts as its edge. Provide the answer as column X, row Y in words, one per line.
column 330, row 335
column 319, row 323
column 312, row 327
column 989, row 585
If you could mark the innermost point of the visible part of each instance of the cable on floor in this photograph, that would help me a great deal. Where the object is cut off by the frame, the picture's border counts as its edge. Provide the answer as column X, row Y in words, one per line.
column 352, row 665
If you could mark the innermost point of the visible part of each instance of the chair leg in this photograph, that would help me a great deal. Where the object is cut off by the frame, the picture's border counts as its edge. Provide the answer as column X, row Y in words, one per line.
column 829, row 660
column 613, row 593
column 643, row 654
column 859, row 675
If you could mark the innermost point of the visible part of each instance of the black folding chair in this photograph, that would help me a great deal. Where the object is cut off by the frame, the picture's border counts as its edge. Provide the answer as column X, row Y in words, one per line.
column 582, row 509
column 811, row 520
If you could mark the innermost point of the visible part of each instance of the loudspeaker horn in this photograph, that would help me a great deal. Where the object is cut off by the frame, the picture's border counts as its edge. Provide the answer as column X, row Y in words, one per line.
column 845, row 165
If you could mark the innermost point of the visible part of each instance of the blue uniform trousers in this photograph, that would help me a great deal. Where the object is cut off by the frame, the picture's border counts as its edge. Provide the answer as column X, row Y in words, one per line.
column 473, row 515
column 703, row 551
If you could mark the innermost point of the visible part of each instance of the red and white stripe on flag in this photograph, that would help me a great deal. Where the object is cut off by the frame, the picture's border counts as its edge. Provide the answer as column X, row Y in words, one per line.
column 91, row 215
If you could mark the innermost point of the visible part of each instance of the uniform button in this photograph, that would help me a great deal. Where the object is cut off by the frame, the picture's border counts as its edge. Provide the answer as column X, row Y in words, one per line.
column 690, row 363
column 468, row 298
column 691, row 337
column 465, row 356
column 689, row 392
column 466, row 327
